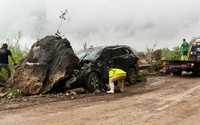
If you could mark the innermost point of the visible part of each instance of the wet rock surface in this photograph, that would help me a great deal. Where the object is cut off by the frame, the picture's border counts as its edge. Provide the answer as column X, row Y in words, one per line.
column 49, row 61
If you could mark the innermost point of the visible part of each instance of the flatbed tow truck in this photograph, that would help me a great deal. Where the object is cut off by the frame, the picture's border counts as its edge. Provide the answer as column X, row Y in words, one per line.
column 176, row 67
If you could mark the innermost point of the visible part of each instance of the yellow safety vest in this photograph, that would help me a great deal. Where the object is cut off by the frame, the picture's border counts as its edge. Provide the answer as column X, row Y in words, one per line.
column 116, row 72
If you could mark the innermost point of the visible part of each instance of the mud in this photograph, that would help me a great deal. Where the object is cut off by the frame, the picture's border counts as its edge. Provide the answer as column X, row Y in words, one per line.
column 162, row 100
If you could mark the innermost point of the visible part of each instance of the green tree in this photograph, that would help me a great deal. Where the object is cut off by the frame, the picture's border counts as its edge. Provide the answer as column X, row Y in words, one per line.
column 174, row 54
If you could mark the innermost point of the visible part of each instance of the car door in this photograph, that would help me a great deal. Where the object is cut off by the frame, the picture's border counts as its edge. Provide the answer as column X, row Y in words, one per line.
column 106, row 61
column 120, row 58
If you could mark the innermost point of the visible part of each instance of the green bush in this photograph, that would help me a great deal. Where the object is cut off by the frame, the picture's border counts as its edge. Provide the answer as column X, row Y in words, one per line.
column 155, row 66
column 174, row 54
column 141, row 77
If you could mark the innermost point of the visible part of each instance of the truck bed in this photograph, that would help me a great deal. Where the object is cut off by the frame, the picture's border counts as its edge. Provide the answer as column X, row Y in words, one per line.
column 177, row 66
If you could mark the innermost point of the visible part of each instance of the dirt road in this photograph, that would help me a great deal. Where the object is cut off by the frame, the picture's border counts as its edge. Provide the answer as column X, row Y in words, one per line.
column 165, row 100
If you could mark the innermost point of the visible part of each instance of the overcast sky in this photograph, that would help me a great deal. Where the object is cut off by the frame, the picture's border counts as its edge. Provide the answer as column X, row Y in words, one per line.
column 137, row 23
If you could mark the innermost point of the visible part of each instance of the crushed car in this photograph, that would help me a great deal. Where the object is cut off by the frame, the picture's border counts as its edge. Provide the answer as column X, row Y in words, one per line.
column 94, row 62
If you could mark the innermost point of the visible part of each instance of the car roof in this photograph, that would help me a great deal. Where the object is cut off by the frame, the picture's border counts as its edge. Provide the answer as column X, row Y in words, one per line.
column 105, row 47
column 110, row 46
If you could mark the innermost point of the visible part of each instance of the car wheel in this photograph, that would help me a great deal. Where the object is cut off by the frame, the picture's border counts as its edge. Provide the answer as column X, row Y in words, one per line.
column 93, row 82
column 132, row 76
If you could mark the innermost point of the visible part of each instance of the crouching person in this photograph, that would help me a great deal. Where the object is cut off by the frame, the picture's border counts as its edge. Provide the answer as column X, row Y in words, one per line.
column 118, row 75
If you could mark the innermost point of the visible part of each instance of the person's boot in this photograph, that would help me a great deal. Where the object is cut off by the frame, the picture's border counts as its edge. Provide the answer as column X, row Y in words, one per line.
column 112, row 88
column 122, row 87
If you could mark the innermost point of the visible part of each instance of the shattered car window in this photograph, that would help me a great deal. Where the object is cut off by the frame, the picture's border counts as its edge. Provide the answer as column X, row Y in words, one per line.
column 89, row 54
column 93, row 54
column 116, row 52
column 81, row 54
column 125, row 51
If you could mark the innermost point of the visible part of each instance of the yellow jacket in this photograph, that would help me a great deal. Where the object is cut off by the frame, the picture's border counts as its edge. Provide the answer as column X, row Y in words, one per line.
column 116, row 72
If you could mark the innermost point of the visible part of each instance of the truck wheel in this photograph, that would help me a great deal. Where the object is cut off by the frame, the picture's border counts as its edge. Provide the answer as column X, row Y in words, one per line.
column 93, row 82
column 177, row 73
column 132, row 76
column 196, row 72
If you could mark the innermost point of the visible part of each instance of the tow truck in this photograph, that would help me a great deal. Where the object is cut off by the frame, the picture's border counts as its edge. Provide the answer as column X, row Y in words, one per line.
column 176, row 67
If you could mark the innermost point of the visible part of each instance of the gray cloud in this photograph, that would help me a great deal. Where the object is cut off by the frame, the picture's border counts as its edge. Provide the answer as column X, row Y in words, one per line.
column 138, row 23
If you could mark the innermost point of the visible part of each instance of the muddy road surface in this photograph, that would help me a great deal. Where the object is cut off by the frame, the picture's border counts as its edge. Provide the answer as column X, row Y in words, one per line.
column 162, row 100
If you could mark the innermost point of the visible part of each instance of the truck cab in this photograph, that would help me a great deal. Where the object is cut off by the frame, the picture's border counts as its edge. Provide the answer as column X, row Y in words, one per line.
column 194, row 54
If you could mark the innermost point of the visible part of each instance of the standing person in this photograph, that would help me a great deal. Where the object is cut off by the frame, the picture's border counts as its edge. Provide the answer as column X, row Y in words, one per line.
column 185, row 48
column 4, row 53
column 116, row 74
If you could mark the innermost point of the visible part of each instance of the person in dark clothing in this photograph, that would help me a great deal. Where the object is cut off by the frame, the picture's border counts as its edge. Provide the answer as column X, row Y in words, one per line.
column 4, row 53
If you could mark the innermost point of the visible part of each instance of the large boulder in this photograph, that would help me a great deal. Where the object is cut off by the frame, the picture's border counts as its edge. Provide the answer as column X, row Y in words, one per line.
column 49, row 61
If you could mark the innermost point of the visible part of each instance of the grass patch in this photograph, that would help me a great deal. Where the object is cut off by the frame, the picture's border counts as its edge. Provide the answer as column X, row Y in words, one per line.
column 12, row 92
